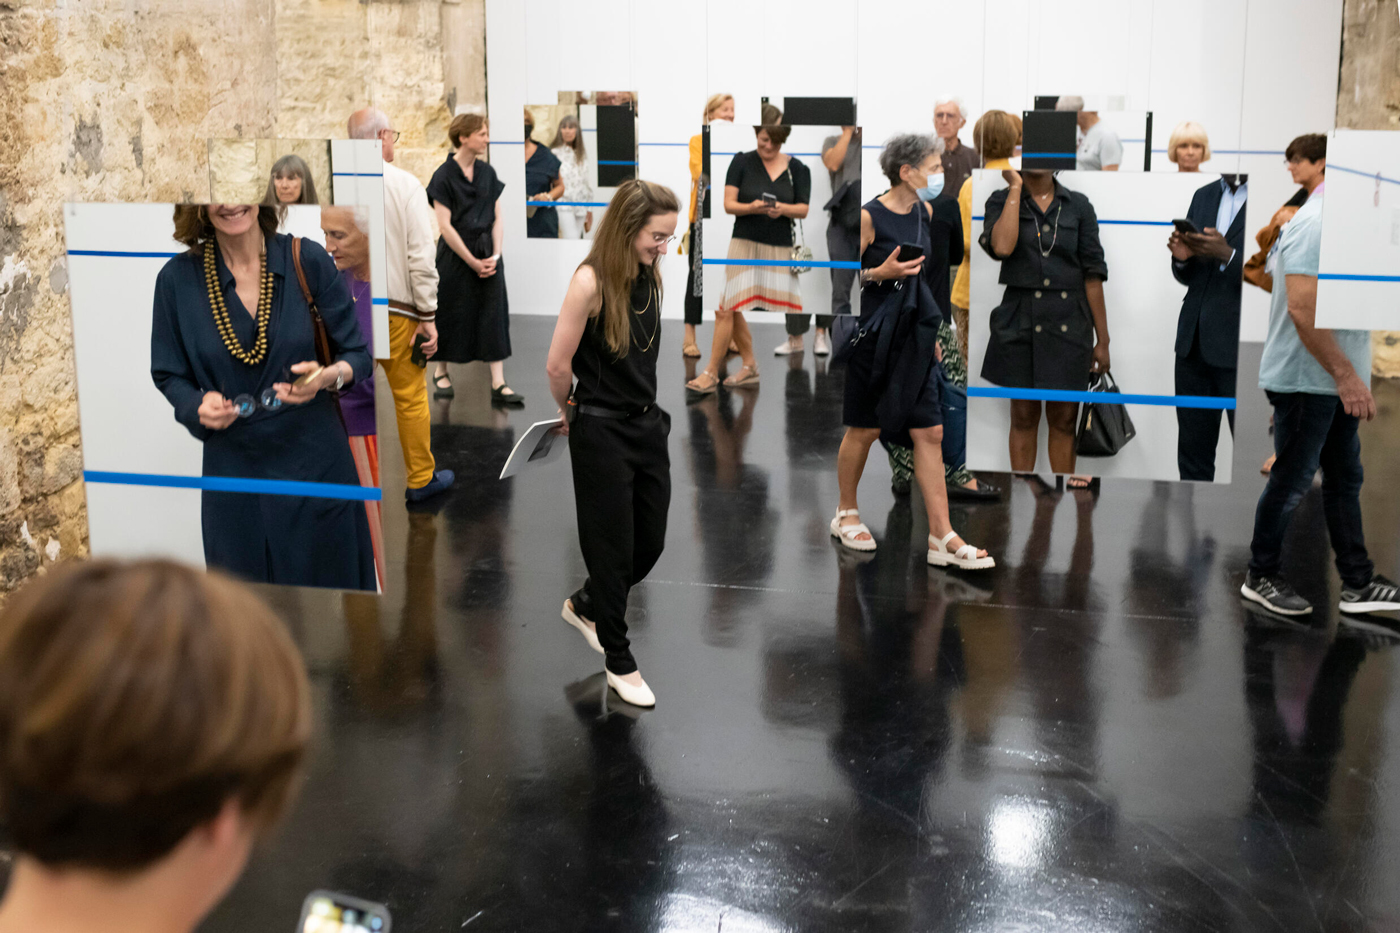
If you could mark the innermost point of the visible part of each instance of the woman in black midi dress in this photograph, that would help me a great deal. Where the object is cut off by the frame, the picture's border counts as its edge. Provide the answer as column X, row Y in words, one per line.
column 473, row 319
column 1051, row 329
column 252, row 422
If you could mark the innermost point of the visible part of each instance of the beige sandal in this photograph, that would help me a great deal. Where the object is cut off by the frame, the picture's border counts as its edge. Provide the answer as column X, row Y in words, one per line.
column 695, row 385
column 691, row 350
column 739, row 380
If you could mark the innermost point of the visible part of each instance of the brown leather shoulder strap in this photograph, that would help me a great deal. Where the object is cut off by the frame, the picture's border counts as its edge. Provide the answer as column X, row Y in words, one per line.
column 301, row 275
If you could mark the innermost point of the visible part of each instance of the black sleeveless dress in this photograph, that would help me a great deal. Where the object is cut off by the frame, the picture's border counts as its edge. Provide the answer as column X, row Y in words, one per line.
column 862, row 397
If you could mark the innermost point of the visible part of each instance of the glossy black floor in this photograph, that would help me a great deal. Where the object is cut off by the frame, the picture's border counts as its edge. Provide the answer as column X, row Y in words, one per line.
column 1103, row 739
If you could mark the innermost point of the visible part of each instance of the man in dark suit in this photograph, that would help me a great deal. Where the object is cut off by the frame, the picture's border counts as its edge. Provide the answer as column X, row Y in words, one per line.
column 1209, row 264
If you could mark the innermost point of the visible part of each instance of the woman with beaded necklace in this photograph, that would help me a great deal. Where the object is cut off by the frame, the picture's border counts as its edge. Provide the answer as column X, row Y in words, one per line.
column 233, row 351
column 608, row 337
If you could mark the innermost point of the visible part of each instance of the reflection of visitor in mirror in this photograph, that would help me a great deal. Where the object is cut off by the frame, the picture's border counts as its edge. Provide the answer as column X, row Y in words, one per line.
column 542, row 183
column 568, row 148
column 347, row 242
column 720, row 107
column 1099, row 148
column 1188, row 146
column 290, row 182
column 959, row 159
column 1306, row 161
column 1208, row 263
column 996, row 136
column 473, row 321
column 764, row 230
column 229, row 318
column 1051, row 329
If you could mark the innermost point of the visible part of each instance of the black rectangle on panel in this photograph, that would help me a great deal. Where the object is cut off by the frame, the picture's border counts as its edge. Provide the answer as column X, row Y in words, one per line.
column 819, row 111
column 617, row 144
column 705, row 171
column 1048, row 139
column 1045, row 103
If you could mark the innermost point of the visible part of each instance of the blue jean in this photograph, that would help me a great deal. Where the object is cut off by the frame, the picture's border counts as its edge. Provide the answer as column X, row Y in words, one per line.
column 1312, row 431
column 954, row 421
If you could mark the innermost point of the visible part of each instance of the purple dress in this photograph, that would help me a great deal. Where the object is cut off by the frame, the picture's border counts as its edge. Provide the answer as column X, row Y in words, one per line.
column 357, row 404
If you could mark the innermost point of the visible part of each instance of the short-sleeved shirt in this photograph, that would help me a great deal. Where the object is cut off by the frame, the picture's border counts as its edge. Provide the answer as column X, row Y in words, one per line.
column 472, row 203
column 957, row 168
column 1099, row 147
column 1287, row 366
column 794, row 186
column 1055, row 249
column 850, row 166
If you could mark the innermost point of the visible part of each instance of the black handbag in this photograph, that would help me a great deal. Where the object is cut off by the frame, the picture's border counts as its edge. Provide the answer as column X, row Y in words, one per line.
column 1104, row 427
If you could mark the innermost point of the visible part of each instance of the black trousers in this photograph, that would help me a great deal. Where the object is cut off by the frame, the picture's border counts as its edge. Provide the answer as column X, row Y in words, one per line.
column 694, row 304
column 622, row 492
column 1198, row 429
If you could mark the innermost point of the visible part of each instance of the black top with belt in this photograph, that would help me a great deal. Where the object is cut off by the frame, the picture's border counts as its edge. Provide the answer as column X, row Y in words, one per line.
column 626, row 384
column 1042, row 333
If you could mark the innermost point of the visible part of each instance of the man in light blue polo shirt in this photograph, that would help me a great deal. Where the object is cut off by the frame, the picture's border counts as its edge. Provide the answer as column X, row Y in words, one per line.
column 1319, row 384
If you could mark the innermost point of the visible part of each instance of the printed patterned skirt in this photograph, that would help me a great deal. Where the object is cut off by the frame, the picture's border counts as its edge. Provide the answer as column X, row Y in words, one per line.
column 760, row 288
column 365, row 449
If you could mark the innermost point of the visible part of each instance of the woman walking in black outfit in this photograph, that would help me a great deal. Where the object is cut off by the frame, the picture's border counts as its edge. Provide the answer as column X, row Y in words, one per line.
column 608, row 336
column 473, row 317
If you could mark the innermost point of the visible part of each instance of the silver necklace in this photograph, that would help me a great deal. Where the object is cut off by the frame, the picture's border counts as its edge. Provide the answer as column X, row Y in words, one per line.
column 1046, row 251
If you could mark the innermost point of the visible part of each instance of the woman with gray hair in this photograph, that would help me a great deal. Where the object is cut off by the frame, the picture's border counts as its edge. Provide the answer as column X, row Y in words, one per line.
column 893, row 387
column 290, row 183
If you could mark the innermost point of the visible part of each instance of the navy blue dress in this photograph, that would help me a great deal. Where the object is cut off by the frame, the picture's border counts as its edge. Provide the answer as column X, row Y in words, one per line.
column 292, row 540
column 540, row 171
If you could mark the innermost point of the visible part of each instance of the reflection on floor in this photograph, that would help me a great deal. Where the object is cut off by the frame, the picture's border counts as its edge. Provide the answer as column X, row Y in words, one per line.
column 1097, row 736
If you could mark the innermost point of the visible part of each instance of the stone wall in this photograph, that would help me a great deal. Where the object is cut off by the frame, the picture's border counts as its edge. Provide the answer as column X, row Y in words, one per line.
column 115, row 100
column 1368, row 98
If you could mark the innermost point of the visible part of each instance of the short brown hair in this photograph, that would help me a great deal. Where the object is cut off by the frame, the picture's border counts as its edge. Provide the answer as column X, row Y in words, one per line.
column 1310, row 146
column 465, row 124
column 996, row 134
column 193, row 227
column 773, row 125
column 136, row 699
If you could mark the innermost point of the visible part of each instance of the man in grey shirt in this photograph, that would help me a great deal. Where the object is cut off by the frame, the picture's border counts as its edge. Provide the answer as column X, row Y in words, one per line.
column 841, row 156
column 959, row 159
column 1099, row 147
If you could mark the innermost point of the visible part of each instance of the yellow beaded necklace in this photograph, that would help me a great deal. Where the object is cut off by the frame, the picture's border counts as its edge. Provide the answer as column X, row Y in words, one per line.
column 256, row 355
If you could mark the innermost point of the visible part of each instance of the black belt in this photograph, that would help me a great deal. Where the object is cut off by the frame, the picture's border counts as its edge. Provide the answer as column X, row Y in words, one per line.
column 614, row 413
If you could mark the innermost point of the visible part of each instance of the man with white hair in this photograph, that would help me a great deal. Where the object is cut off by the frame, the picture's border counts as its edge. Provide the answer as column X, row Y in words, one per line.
column 1099, row 147
column 959, row 159
column 413, row 280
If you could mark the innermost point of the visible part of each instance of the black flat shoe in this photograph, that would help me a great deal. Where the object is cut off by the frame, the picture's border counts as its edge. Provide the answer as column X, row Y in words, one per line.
column 985, row 492
column 440, row 390
column 507, row 396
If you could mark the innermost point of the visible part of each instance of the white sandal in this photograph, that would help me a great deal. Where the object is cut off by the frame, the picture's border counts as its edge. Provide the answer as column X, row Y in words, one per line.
column 849, row 535
column 964, row 557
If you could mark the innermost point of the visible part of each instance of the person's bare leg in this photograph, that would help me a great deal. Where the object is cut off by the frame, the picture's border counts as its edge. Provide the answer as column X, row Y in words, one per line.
column 850, row 464
column 1060, row 417
column 689, row 338
column 498, row 373
column 743, row 339
column 1025, row 430
column 724, row 328
column 928, row 470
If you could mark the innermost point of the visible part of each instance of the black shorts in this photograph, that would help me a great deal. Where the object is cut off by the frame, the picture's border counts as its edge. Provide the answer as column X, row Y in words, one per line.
column 860, row 401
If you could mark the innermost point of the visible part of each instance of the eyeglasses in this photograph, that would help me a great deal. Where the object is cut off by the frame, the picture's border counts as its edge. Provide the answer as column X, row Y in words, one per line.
column 657, row 239
column 396, row 134
column 246, row 405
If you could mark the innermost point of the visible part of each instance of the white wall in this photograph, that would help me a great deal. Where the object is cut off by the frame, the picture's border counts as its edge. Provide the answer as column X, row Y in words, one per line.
column 1143, row 299
column 1255, row 73
column 1361, row 232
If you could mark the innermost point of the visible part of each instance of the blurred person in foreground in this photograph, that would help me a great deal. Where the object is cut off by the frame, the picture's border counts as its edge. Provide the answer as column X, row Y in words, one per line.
column 153, row 724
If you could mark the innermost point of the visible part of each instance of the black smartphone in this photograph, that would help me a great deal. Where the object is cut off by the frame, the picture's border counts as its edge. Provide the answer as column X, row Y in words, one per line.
column 770, row 200
column 418, row 357
column 1185, row 226
column 908, row 252
column 328, row 912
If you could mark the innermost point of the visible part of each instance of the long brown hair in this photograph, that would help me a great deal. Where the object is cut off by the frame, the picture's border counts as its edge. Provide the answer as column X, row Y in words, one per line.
column 580, row 153
column 614, row 260
column 193, row 227
column 286, row 167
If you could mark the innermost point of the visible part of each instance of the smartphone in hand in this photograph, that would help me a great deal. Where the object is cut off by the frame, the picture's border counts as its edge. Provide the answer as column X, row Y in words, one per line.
column 770, row 200
column 418, row 357
column 328, row 912
column 1184, row 226
column 908, row 252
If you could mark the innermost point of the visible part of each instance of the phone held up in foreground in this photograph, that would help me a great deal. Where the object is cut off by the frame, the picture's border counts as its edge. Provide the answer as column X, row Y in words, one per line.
column 1185, row 226
column 418, row 357
column 328, row 912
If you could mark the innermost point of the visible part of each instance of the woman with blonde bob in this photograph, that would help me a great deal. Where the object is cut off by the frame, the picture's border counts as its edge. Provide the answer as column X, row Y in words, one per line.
column 153, row 724
column 1188, row 146
column 608, row 336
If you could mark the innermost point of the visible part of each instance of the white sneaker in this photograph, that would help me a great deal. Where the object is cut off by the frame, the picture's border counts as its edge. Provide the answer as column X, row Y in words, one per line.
column 786, row 348
column 821, row 346
column 637, row 696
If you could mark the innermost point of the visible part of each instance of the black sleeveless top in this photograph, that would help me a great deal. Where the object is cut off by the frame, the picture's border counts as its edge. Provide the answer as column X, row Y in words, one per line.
column 629, row 383
column 891, row 230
